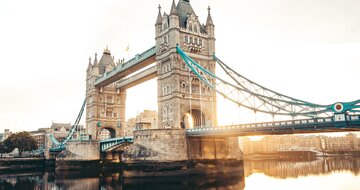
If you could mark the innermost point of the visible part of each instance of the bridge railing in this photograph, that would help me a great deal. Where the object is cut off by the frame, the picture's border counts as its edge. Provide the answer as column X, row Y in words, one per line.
column 106, row 144
column 137, row 59
column 276, row 124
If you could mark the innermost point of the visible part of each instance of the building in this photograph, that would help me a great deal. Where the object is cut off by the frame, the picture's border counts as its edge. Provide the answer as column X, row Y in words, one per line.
column 61, row 130
column 6, row 134
column 181, row 95
column 129, row 128
column 40, row 136
column 273, row 144
column 105, row 106
column 145, row 120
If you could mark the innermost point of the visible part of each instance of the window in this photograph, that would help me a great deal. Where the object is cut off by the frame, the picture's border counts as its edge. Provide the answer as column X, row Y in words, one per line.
column 200, row 42
column 191, row 40
column 108, row 114
column 186, row 39
column 190, row 27
column 109, row 99
column 195, row 28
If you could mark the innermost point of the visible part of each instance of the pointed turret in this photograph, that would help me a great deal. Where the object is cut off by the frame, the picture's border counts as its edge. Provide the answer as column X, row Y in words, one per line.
column 209, row 21
column 174, row 16
column 95, row 60
column 106, row 62
column 173, row 10
column 159, row 17
column 89, row 65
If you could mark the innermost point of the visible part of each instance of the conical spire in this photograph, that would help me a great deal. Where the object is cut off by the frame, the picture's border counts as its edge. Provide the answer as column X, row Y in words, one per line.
column 95, row 60
column 173, row 10
column 209, row 21
column 159, row 17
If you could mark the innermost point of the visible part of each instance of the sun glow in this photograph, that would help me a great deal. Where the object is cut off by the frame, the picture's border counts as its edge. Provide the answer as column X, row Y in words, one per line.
column 190, row 121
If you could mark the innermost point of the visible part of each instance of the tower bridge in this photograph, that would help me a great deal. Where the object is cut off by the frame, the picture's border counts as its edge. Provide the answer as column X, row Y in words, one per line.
column 183, row 61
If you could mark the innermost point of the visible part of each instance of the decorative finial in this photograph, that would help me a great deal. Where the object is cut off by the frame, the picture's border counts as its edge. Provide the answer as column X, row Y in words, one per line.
column 95, row 60
column 159, row 8
column 209, row 19
column 107, row 51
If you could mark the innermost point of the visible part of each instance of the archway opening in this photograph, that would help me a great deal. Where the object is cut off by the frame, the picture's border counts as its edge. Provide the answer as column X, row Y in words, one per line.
column 107, row 133
column 193, row 119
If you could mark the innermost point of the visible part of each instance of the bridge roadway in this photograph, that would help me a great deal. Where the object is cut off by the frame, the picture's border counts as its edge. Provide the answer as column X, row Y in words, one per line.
column 138, row 62
column 315, row 125
column 138, row 78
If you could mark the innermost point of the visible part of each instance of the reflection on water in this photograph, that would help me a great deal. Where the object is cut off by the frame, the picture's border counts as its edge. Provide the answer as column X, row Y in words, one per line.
column 294, row 169
column 272, row 174
column 109, row 181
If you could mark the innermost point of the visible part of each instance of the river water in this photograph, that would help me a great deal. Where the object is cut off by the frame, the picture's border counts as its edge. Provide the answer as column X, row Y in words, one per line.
column 326, row 173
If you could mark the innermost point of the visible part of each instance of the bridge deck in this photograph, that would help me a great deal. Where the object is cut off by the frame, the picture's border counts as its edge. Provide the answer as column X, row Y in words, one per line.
column 139, row 61
column 318, row 125
column 141, row 77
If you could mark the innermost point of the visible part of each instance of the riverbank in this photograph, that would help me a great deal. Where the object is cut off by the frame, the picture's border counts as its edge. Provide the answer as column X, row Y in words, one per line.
column 128, row 169
column 8, row 165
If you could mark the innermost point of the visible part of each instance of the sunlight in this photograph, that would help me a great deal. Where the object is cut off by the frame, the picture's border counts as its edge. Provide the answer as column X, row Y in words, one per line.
column 190, row 121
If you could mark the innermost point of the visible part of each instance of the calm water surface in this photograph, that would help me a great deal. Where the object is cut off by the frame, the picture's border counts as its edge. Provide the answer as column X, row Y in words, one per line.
column 328, row 173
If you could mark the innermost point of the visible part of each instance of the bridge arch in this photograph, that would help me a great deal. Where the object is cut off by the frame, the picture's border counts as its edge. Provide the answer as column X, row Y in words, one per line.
column 106, row 133
column 193, row 118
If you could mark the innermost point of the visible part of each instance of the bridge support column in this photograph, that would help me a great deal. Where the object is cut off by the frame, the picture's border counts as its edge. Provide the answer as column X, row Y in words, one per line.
column 122, row 122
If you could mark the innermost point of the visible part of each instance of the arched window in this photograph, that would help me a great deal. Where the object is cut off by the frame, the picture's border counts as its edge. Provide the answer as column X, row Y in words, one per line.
column 190, row 27
column 195, row 28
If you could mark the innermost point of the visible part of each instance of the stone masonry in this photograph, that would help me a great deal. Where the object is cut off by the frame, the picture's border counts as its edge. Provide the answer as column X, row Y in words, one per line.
column 105, row 106
column 179, row 91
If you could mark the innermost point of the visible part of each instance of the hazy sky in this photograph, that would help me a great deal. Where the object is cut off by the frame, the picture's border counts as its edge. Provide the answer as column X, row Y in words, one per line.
column 308, row 49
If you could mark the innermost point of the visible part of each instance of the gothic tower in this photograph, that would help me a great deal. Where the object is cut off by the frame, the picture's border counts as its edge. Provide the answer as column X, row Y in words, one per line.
column 105, row 106
column 183, row 100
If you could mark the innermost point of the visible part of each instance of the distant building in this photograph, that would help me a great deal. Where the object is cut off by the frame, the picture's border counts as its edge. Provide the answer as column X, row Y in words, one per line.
column 147, row 119
column 129, row 129
column 39, row 136
column 61, row 130
column 6, row 134
column 273, row 144
column 104, row 134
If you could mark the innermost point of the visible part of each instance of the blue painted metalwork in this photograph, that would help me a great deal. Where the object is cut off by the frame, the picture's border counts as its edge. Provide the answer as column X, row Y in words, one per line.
column 109, row 144
column 122, row 67
column 61, row 145
column 253, row 96
column 328, row 124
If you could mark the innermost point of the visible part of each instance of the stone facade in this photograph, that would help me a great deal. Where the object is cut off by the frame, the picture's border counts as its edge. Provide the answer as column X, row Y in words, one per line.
column 157, row 145
column 80, row 151
column 105, row 106
column 179, row 92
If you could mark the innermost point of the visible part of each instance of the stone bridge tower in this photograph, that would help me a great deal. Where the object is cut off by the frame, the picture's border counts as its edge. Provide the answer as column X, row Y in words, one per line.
column 105, row 106
column 180, row 93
